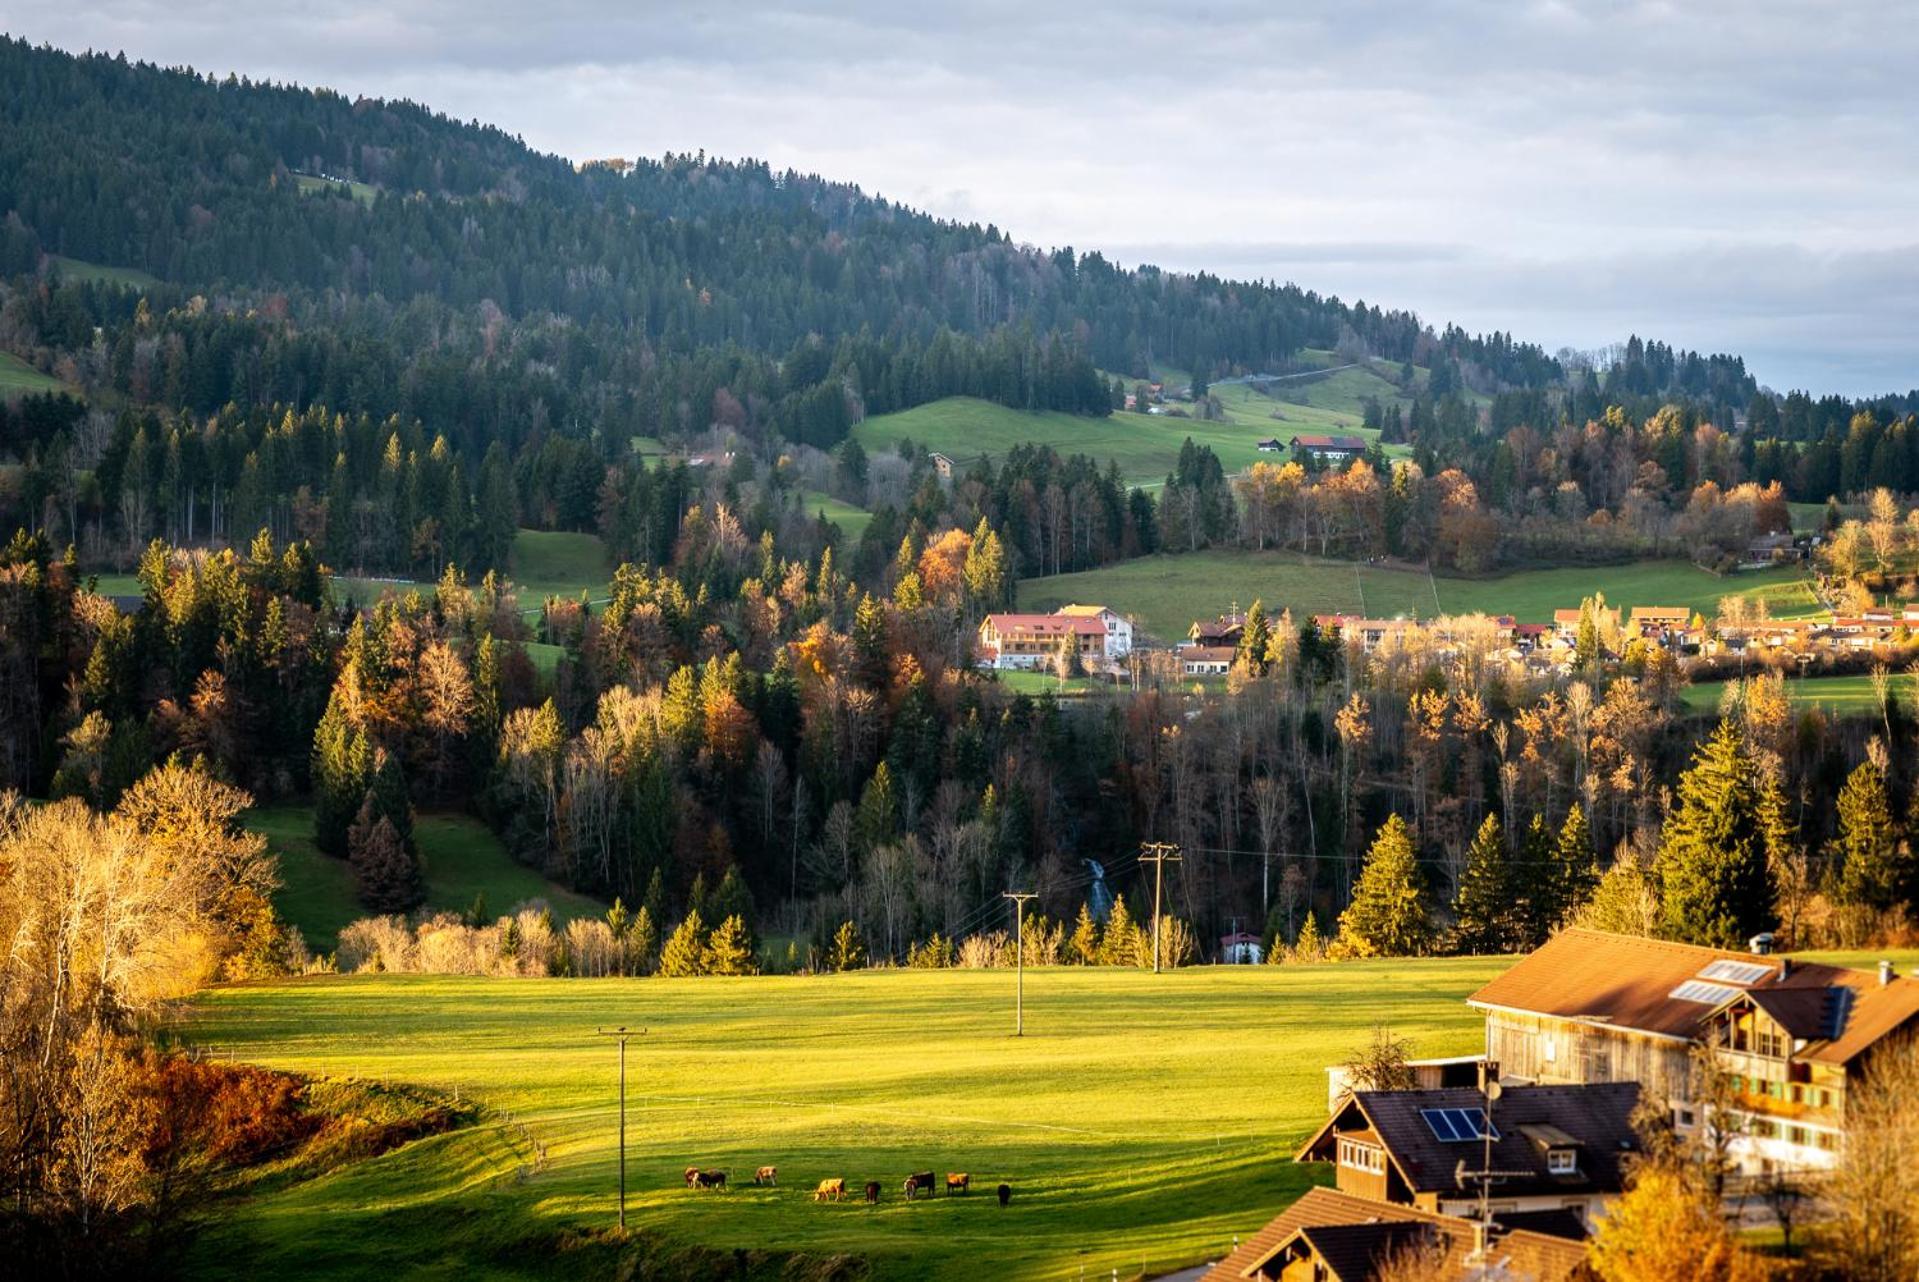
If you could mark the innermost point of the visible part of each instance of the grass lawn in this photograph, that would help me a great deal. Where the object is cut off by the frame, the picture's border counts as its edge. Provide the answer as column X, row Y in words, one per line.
column 1037, row 683
column 559, row 563
column 1844, row 696
column 462, row 858
column 127, row 277
column 1165, row 594
column 851, row 520
column 1141, row 1120
column 17, row 378
column 365, row 193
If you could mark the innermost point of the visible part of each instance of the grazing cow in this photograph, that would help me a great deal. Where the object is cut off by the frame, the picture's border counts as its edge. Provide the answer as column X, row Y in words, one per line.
column 710, row 1180
column 692, row 1174
column 835, row 1189
column 872, row 1192
column 1005, row 1194
column 767, row 1175
column 958, row 1183
column 915, row 1182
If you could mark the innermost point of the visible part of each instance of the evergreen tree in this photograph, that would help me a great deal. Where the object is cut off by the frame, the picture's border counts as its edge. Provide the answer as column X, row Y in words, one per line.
column 340, row 769
column 1714, row 884
column 1255, row 642
column 386, row 875
column 1538, row 899
column 1388, row 916
column 1119, row 942
column 848, row 951
column 1575, row 867
column 733, row 899
column 684, row 953
column 1483, row 902
column 641, row 942
column 1308, row 946
column 1083, row 946
column 730, row 950
column 1874, row 868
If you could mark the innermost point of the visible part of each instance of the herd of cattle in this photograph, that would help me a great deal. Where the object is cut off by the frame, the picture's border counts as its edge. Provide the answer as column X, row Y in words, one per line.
column 834, row 1189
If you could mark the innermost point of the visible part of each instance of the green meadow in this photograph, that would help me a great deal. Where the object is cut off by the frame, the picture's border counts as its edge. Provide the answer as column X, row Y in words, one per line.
column 851, row 520
column 1165, row 594
column 125, row 277
column 17, row 378
column 463, row 860
column 1843, row 696
column 1142, row 1121
column 313, row 185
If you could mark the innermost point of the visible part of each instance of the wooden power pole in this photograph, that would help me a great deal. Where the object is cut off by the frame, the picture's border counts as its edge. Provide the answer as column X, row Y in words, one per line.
column 1159, row 854
column 1019, row 898
column 621, row 1034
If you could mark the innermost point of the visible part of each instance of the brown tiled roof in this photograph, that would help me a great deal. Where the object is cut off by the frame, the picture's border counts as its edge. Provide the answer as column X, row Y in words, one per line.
column 1530, row 1254
column 1597, row 1116
column 1625, row 981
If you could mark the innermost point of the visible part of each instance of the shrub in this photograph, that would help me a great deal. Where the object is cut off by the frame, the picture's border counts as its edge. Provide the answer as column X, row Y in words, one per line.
column 986, row 951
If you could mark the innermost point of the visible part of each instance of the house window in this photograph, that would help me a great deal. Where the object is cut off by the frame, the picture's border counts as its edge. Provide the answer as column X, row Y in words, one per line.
column 1798, row 1135
column 1762, row 1128
column 1683, row 1117
column 1598, row 1061
column 1561, row 1161
column 1828, row 1141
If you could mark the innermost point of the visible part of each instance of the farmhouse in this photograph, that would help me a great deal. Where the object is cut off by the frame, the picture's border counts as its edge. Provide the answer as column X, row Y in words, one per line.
column 1329, row 449
column 1793, row 1037
column 1658, row 622
column 1205, row 660
column 1566, row 623
column 1270, row 445
column 942, row 465
column 1226, row 630
column 1033, row 640
column 1561, row 1148
column 1332, row 1236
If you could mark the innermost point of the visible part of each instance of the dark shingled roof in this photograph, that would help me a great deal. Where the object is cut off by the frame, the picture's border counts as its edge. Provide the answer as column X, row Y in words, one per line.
column 1597, row 1117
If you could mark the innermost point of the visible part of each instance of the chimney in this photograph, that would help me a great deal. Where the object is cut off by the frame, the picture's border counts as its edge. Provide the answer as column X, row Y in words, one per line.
column 1885, row 973
column 1785, row 968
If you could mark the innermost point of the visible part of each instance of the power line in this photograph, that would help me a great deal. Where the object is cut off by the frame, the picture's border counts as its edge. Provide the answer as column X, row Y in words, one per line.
column 622, row 1033
column 1158, row 853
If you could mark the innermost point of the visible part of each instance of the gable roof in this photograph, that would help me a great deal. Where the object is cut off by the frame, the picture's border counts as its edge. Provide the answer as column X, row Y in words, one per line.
column 1045, row 624
column 1322, row 442
column 1083, row 611
column 1596, row 1118
column 1528, row 1253
column 1625, row 981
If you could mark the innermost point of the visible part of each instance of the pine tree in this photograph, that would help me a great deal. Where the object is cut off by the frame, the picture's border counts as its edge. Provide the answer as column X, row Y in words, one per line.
column 733, row 899
column 1388, row 916
column 1537, row 898
column 1309, row 947
column 1873, row 868
column 1575, row 866
column 386, row 875
column 730, row 950
column 1714, row 884
column 1255, row 642
column 1483, row 902
column 1119, row 942
column 642, row 940
column 848, row 951
column 1083, row 947
column 684, row 954
column 340, row 769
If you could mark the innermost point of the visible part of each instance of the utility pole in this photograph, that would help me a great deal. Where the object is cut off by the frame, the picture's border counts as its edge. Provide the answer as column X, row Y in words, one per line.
column 1019, row 898
column 621, row 1034
column 1158, row 853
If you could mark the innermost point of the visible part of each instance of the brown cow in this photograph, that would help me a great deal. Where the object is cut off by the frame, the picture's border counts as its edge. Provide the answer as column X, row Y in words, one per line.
column 958, row 1182
column 767, row 1175
column 872, row 1192
column 915, row 1182
column 692, row 1174
column 835, row 1189
column 710, row 1180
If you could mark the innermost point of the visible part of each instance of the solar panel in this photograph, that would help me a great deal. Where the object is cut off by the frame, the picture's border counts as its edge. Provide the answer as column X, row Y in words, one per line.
column 1452, row 1125
column 1737, row 972
column 1698, row 990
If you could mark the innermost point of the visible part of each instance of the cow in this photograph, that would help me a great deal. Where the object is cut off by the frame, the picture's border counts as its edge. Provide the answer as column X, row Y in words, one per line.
column 1005, row 1194
column 709, row 1180
column 692, row 1174
column 915, row 1182
column 958, row 1182
column 872, row 1192
column 835, row 1189
column 767, row 1175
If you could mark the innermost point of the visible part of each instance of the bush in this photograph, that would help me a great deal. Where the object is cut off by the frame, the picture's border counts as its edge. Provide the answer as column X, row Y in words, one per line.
column 986, row 951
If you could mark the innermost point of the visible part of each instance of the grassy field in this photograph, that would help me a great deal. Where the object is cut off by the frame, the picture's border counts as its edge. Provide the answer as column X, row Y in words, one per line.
column 1037, row 683
column 1165, row 594
column 559, row 563
column 1142, row 1120
column 17, row 378
column 851, row 520
column 126, row 277
column 1845, row 696
column 462, row 859
column 365, row 193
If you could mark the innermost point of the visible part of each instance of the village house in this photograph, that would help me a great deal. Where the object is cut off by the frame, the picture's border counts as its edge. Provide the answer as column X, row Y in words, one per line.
column 1566, row 624
column 1205, row 660
column 1271, row 445
column 1793, row 1037
column 1226, row 631
column 1557, row 1148
column 1328, row 449
column 1032, row 641
column 1332, row 1236
column 942, row 465
column 1661, row 624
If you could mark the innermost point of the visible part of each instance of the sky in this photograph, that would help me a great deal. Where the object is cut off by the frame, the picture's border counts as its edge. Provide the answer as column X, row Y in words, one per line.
column 1726, row 177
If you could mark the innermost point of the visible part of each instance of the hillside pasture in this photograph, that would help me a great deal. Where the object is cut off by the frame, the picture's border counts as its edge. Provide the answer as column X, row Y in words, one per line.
column 77, row 269
column 851, row 520
column 1141, row 1121
column 1840, row 696
column 559, row 563
column 1165, row 594
column 462, row 859
column 17, row 378
column 313, row 185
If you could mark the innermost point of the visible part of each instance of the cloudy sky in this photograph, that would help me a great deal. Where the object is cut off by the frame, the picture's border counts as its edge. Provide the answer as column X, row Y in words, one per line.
column 1732, row 177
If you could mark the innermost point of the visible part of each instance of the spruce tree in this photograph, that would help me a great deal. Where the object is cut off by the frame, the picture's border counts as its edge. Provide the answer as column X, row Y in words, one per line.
column 1119, row 942
column 386, row 875
column 1083, row 947
column 848, row 951
column 1537, row 898
column 1575, row 866
column 730, row 950
column 1309, row 947
column 1388, row 916
column 339, row 771
column 1872, row 865
column 641, row 941
column 1255, row 642
column 1714, row 884
column 684, row 954
column 1483, row 901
